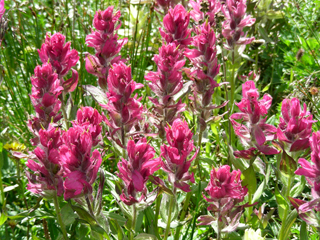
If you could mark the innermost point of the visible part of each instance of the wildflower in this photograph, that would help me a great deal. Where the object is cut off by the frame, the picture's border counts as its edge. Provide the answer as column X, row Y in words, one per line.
column 136, row 169
column 256, row 132
column 295, row 126
column 80, row 164
column 176, row 24
column 58, row 53
column 2, row 9
column 180, row 142
column 46, row 176
column 202, row 9
column 236, row 19
column 106, row 44
column 44, row 97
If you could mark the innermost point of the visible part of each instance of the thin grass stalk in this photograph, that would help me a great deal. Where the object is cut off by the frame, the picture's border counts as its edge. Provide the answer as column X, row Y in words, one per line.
column 183, row 214
column 169, row 216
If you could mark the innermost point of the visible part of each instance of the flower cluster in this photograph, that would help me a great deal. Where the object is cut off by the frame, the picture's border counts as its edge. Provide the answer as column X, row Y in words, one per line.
column 165, row 5
column 165, row 83
column 202, row 9
column 3, row 21
column 236, row 19
column 176, row 24
column 175, row 154
column 296, row 125
column 124, row 110
column 136, row 169
column 225, row 192
column 106, row 44
column 312, row 173
column 205, row 68
column 253, row 130
column 46, row 179
column 44, row 97
column 62, row 59
column 80, row 163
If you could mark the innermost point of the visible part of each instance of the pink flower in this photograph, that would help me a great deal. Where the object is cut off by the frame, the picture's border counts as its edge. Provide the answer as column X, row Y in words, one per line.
column 180, row 142
column 211, row 9
column 236, row 19
column 136, row 169
column 46, row 176
column 165, row 4
column 2, row 9
column 44, row 97
column 124, row 111
column 106, row 44
column 296, row 126
column 58, row 53
column 80, row 164
column 253, row 129
column 106, row 21
column 90, row 119
column 224, row 184
column 176, row 24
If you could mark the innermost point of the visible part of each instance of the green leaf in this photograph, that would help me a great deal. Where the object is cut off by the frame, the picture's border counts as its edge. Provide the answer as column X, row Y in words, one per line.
column 145, row 236
column 3, row 218
column 271, row 14
column 249, row 179
column 297, row 189
column 121, row 220
column 262, row 186
column 67, row 214
column 289, row 221
column 164, row 208
column 139, row 221
column 282, row 203
column 98, row 95
column 287, row 165
column 303, row 231
column 84, row 215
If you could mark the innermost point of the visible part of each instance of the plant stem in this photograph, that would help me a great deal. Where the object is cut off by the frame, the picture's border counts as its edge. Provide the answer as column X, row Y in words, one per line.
column 232, row 93
column 183, row 214
column 197, row 159
column 89, row 206
column 158, row 202
column 169, row 218
column 285, row 213
column 218, row 227
column 62, row 227
column 134, row 216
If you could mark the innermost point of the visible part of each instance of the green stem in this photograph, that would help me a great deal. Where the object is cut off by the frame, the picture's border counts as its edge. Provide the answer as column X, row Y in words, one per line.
column 232, row 93
column 1, row 189
column 197, row 159
column 183, row 214
column 158, row 202
column 218, row 227
column 169, row 218
column 89, row 206
column 63, row 228
column 134, row 216
column 285, row 213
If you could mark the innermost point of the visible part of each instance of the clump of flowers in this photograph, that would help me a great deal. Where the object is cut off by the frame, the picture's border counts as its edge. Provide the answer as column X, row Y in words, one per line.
column 203, row 10
column 253, row 130
column 165, row 83
column 295, row 125
column 176, row 24
column 312, row 173
column 79, row 162
column 45, row 99
column 106, row 44
column 224, row 193
column 176, row 153
column 205, row 69
column 236, row 20
column 45, row 177
column 124, row 110
column 62, row 59
column 135, row 170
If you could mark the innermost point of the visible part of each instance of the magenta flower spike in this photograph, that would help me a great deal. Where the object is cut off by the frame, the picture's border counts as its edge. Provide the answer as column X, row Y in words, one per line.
column 236, row 19
column 180, row 145
column 44, row 97
column 253, row 130
column 176, row 24
column 45, row 177
column 205, row 9
column 136, row 169
column 80, row 164
column 295, row 125
column 90, row 119
column 106, row 44
column 124, row 111
column 224, row 184
column 62, row 59
column 2, row 9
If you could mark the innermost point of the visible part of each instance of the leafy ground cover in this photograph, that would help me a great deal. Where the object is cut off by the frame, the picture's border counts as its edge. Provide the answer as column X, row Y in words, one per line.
column 159, row 119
